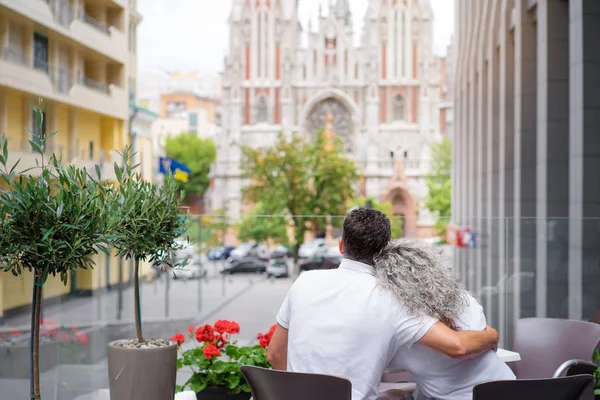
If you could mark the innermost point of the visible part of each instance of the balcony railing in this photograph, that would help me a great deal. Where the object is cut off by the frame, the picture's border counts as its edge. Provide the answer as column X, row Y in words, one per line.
column 101, row 26
column 13, row 56
column 62, row 78
column 63, row 12
column 95, row 85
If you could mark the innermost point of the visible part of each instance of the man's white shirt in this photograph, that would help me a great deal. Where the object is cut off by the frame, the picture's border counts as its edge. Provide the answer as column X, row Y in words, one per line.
column 342, row 323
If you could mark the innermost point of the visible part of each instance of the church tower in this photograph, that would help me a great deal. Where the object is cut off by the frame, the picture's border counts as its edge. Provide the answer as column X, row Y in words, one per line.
column 380, row 97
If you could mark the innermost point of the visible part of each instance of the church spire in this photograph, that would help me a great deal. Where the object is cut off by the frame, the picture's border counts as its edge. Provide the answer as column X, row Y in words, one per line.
column 342, row 11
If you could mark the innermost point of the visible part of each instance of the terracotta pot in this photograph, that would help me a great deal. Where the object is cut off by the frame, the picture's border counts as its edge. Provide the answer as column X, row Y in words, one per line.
column 142, row 374
column 220, row 393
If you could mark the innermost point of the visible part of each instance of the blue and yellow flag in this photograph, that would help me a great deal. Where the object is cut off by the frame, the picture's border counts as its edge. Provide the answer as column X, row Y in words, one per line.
column 171, row 166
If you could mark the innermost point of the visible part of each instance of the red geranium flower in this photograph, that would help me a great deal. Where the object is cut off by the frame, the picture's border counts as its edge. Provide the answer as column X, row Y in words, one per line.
column 264, row 340
column 81, row 337
column 74, row 328
column 224, row 326
column 64, row 336
column 190, row 329
column 211, row 351
column 179, row 338
column 205, row 333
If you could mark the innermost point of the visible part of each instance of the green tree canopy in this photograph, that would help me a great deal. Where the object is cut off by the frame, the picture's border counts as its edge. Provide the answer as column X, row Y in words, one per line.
column 300, row 178
column 439, row 183
column 260, row 226
column 197, row 154
column 396, row 222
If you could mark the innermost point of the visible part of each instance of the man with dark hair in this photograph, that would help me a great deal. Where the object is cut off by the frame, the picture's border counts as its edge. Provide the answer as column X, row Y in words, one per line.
column 365, row 233
column 340, row 322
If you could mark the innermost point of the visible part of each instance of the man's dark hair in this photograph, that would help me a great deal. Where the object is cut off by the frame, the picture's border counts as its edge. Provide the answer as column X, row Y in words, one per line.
column 365, row 233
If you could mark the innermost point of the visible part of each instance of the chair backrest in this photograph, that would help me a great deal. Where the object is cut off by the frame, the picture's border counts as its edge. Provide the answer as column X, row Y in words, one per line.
column 545, row 343
column 578, row 387
column 269, row 384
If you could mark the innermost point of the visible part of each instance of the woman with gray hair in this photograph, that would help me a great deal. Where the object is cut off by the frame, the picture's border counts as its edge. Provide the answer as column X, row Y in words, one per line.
column 414, row 272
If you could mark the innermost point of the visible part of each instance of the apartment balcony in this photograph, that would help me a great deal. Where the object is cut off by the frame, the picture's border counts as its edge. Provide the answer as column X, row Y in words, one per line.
column 60, row 84
column 77, row 25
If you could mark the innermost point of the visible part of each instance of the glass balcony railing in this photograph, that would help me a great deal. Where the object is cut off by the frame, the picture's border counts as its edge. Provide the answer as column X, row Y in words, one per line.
column 62, row 78
column 99, row 25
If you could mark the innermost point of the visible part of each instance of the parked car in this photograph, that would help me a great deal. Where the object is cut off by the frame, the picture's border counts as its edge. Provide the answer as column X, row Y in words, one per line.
column 281, row 252
column 190, row 271
column 244, row 264
column 278, row 268
column 249, row 249
column 330, row 258
column 220, row 253
column 309, row 249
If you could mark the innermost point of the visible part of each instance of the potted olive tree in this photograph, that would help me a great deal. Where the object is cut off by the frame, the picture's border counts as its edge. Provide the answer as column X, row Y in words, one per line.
column 54, row 219
column 149, row 226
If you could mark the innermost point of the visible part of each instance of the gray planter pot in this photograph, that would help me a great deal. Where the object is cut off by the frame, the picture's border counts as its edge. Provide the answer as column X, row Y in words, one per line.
column 142, row 374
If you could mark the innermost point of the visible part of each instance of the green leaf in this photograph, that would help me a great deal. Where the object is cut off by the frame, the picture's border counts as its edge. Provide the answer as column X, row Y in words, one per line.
column 118, row 172
column 36, row 147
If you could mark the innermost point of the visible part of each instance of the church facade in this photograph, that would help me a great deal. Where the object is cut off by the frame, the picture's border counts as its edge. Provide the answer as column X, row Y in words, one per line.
column 383, row 94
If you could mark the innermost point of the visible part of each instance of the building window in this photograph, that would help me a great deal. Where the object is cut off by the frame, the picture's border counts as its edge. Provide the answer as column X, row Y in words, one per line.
column 399, row 108
column 91, row 150
column 40, row 52
column 261, row 110
column 193, row 121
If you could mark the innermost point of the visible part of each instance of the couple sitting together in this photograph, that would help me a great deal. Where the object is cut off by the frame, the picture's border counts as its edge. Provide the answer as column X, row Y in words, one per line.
column 389, row 305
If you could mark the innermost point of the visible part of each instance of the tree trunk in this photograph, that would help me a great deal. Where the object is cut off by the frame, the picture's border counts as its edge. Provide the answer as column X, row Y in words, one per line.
column 136, row 296
column 35, row 335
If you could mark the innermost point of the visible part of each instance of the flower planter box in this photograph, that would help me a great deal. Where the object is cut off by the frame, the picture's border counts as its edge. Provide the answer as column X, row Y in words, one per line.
column 91, row 351
column 219, row 393
column 15, row 357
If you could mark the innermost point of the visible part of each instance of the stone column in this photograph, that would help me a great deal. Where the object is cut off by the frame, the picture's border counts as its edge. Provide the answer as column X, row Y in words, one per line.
column 584, row 160
column 552, row 194
column 524, row 238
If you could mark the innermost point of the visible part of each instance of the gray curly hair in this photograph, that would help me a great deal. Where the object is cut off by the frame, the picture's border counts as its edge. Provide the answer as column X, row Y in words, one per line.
column 414, row 272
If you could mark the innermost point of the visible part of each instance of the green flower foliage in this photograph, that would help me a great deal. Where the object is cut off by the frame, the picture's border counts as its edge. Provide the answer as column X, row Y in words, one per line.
column 223, row 371
column 149, row 215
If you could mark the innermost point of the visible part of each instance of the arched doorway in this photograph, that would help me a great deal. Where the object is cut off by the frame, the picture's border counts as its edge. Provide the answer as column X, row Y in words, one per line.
column 404, row 206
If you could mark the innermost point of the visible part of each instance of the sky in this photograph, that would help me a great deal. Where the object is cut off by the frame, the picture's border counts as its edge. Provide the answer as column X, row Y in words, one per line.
column 188, row 35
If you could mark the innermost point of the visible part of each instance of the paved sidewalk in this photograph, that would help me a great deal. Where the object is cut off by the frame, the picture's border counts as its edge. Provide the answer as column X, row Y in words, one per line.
column 180, row 301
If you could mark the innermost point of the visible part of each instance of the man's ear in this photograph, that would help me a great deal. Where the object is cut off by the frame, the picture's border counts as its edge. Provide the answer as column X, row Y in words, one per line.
column 341, row 246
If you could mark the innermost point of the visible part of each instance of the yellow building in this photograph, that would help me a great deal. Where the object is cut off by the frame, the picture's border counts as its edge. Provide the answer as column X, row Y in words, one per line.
column 80, row 56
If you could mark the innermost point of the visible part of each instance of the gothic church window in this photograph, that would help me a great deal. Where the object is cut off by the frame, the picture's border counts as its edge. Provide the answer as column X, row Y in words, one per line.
column 262, row 112
column 398, row 108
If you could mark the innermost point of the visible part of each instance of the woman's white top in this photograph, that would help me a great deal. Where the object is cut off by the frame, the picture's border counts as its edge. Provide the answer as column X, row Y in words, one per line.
column 439, row 376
